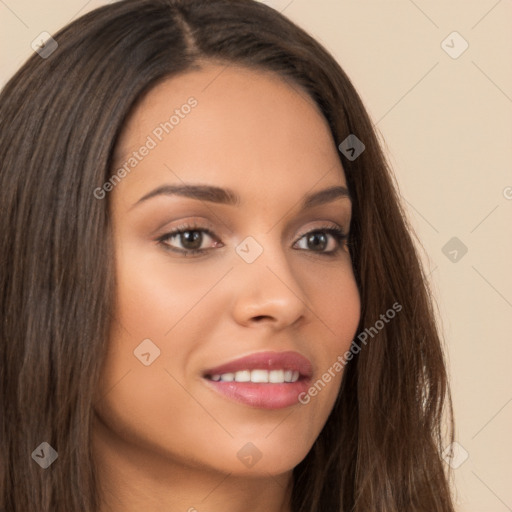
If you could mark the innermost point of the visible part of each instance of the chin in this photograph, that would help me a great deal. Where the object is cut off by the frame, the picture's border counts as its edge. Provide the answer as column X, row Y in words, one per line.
column 259, row 457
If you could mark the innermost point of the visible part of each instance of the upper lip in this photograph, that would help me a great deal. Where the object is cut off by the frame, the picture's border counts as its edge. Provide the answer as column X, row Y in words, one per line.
column 266, row 361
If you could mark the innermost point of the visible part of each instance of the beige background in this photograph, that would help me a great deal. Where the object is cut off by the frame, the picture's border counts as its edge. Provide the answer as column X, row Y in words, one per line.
column 447, row 124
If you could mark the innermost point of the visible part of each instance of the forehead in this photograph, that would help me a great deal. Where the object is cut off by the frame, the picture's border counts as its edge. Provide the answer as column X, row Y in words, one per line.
column 231, row 126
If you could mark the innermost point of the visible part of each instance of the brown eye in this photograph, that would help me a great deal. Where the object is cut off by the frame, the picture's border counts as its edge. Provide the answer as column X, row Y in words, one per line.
column 191, row 240
column 318, row 240
column 188, row 240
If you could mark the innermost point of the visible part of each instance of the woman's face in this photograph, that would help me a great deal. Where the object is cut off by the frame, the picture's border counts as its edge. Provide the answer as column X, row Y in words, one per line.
column 263, row 301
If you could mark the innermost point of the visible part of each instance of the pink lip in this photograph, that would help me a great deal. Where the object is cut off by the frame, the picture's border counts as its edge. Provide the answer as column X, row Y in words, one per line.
column 264, row 395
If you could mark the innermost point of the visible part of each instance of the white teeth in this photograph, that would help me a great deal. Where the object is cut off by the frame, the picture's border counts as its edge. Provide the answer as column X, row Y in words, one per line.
column 276, row 376
column 259, row 376
column 243, row 376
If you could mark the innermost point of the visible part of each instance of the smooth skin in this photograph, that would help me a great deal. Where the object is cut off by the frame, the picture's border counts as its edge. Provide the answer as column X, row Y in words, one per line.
column 163, row 439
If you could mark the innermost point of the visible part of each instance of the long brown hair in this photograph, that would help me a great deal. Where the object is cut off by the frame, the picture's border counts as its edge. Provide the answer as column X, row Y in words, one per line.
column 60, row 118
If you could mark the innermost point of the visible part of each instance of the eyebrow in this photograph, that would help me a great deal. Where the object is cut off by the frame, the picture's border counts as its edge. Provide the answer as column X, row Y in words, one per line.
column 220, row 195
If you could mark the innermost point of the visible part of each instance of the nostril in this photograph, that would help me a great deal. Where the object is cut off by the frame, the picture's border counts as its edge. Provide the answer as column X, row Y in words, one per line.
column 260, row 317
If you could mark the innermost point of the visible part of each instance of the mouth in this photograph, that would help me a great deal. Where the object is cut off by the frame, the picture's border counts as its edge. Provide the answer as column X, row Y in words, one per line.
column 266, row 380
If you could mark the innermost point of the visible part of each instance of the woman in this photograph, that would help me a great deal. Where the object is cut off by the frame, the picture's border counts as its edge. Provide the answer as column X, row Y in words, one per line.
column 211, row 298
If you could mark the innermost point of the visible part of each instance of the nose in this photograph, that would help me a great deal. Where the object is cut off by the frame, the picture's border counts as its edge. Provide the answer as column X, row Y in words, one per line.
column 268, row 291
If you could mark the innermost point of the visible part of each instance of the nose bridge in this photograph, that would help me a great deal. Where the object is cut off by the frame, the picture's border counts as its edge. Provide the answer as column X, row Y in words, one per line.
column 263, row 253
column 267, row 284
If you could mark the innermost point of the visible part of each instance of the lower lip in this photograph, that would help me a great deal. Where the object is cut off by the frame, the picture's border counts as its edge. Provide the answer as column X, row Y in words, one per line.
column 262, row 396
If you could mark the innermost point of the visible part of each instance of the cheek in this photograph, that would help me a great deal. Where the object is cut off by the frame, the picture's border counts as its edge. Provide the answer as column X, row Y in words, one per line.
column 156, row 293
column 160, row 311
column 335, row 307
column 333, row 293
column 159, row 302
column 339, row 305
column 151, row 307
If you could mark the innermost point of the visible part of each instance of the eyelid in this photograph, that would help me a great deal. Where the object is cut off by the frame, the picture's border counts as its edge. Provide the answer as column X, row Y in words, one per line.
column 325, row 226
column 191, row 225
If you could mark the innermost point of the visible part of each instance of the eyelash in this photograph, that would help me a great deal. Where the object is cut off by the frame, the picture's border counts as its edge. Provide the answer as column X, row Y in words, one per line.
column 337, row 233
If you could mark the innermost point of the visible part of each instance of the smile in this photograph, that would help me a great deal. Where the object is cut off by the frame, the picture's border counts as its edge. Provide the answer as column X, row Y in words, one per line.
column 265, row 380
